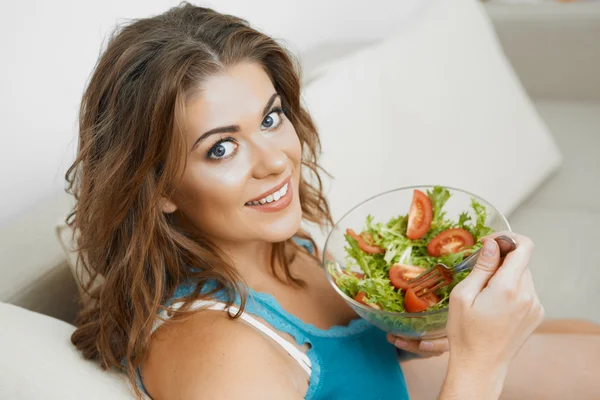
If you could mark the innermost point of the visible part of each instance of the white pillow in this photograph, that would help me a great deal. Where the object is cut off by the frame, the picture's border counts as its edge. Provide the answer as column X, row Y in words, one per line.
column 64, row 233
column 436, row 103
column 38, row 361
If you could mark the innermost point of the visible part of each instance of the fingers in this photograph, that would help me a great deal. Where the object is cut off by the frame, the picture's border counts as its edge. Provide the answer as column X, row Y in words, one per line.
column 526, row 296
column 526, row 284
column 530, row 309
column 514, row 265
column 527, row 287
column 425, row 348
column 486, row 266
column 522, row 241
column 510, row 234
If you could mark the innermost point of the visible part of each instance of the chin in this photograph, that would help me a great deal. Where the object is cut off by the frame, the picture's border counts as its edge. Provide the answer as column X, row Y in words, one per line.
column 282, row 228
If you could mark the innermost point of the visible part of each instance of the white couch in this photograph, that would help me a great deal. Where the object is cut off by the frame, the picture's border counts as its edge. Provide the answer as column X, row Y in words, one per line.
column 554, row 50
column 556, row 54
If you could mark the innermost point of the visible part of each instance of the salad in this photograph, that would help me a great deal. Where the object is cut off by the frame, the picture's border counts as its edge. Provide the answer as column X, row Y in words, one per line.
column 390, row 254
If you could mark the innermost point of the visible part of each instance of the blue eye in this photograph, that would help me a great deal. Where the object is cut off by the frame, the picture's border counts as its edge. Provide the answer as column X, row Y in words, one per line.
column 273, row 120
column 223, row 149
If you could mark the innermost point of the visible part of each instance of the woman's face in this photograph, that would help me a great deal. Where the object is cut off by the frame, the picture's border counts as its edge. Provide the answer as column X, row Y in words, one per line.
column 243, row 169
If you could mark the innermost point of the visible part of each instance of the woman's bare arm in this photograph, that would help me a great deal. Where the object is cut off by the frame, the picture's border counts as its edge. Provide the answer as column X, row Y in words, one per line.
column 463, row 382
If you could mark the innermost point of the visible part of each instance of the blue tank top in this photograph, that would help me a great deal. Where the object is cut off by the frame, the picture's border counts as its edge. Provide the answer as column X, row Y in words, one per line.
column 348, row 362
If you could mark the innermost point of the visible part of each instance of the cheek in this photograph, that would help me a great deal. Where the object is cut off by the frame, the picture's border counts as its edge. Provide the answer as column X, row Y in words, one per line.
column 293, row 148
column 209, row 196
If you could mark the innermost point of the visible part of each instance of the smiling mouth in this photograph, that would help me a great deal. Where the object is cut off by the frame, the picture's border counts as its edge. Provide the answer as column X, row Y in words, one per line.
column 272, row 197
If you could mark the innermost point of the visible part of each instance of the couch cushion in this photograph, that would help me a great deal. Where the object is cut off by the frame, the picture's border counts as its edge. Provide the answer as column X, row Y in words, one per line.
column 39, row 362
column 576, row 186
column 563, row 215
column 436, row 103
column 34, row 269
column 564, row 267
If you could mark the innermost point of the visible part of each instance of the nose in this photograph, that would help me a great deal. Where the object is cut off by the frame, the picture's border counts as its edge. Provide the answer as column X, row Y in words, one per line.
column 268, row 159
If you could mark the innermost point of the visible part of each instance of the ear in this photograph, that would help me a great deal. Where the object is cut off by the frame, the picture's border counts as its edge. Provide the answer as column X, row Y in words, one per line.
column 167, row 206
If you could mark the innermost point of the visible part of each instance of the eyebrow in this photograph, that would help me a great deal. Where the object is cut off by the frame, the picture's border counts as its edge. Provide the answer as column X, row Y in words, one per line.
column 234, row 128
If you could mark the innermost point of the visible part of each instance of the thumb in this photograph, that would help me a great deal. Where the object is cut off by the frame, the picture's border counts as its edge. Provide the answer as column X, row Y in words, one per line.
column 486, row 266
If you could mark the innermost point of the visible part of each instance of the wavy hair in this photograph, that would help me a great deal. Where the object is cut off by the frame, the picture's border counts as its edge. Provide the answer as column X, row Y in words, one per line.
column 129, row 157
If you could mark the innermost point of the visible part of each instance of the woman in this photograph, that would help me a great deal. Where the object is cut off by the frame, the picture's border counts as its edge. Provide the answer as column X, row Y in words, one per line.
column 191, row 188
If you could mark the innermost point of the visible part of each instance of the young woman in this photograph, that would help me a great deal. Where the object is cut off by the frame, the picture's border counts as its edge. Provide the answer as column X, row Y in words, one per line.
column 191, row 181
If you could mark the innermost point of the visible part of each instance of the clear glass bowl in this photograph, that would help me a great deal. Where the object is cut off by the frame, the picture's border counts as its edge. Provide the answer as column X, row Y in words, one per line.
column 383, row 207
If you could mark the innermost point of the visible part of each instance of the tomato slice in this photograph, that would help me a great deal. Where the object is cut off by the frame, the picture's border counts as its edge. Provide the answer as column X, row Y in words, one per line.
column 361, row 297
column 414, row 304
column 420, row 216
column 362, row 243
column 450, row 241
column 400, row 274
column 431, row 299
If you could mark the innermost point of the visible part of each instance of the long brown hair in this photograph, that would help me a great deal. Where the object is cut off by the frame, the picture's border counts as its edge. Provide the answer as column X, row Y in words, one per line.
column 130, row 156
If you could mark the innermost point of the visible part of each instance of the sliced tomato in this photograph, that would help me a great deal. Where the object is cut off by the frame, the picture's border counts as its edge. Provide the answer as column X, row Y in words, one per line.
column 367, row 238
column 431, row 299
column 414, row 304
column 450, row 241
column 361, row 297
column 420, row 216
column 362, row 243
column 400, row 274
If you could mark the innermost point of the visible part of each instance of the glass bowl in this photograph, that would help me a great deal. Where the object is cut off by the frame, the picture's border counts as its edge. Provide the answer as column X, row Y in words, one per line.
column 383, row 207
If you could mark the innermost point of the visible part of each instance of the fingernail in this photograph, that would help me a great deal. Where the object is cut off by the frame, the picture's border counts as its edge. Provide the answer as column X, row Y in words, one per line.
column 426, row 346
column 489, row 248
column 400, row 343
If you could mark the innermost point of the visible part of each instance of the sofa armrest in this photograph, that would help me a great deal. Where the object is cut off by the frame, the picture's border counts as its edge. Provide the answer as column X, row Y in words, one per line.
column 554, row 48
column 35, row 273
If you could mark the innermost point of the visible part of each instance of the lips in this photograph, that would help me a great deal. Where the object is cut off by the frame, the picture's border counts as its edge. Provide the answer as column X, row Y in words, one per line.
column 273, row 195
column 278, row 199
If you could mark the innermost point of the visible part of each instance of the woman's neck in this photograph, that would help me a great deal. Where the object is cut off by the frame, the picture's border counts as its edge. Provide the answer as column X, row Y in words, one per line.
column 252, row 260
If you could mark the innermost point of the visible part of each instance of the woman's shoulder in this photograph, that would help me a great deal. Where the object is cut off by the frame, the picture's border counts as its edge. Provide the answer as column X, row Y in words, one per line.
column 199, row 356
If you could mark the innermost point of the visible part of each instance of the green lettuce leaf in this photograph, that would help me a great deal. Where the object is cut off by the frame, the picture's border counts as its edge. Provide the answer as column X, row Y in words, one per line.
column 438, row 196
column 381, row 292
column 480, row 229
column 391, row 236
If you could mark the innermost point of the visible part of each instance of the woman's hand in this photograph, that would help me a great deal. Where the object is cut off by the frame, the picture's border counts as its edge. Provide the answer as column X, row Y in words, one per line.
column 495, row 309
column 420, row 348
column 492, row 313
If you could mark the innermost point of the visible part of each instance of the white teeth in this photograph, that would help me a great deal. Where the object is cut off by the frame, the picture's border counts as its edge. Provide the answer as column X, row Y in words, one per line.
column 272, row 197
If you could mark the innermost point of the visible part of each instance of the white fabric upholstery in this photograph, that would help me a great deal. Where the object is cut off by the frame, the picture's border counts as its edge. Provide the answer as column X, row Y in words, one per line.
column 436, row 103
column 34, row 270
column 38, row 361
